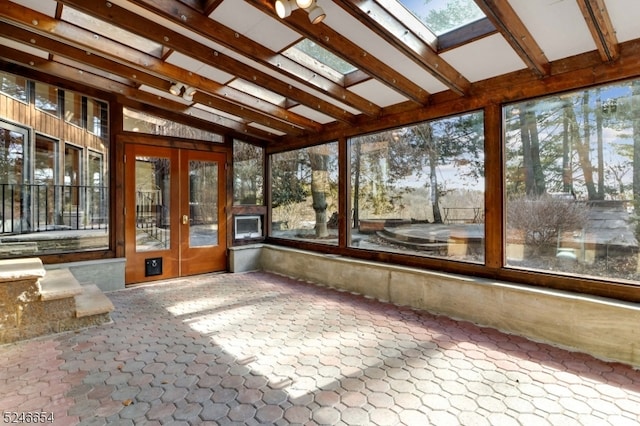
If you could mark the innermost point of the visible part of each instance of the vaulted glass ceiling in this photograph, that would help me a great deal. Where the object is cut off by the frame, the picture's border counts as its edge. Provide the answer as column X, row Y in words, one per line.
column 319, row 59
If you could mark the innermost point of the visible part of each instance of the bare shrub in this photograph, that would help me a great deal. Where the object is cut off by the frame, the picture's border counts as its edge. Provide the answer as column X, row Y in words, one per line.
column 539, row 220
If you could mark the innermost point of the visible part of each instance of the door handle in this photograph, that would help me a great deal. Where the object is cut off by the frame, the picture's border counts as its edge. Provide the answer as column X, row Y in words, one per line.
column 185, row 219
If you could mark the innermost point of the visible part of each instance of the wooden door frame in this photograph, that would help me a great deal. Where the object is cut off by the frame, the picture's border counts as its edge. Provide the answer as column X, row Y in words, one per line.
column 125, row 139
column 198, row 262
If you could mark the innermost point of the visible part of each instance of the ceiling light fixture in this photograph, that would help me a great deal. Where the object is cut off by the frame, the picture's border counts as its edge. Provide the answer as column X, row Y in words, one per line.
column 176, row 88
column 304, row 4
column 188, row 93
column 316, row 14
column 285, row 7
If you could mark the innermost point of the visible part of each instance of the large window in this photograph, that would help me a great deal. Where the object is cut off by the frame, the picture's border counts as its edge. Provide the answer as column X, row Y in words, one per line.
column 54, row 194
column 46, row 98
column 572, row 167
column 73, row 108
column 248, row 171
column 97, row 117
column 419, row 189
column 304, row 191
column 14, row 86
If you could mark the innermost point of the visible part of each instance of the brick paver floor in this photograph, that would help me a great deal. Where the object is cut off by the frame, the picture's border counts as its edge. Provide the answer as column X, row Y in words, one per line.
column 256, row 348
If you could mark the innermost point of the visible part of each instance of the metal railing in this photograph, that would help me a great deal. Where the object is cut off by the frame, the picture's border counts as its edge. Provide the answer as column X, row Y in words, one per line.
column 26, row 208
column 152, row 216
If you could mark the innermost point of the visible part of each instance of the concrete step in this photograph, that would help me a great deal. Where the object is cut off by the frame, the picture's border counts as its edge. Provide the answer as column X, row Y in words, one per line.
column 92, row 301
column 29, row 268
column 59, row 284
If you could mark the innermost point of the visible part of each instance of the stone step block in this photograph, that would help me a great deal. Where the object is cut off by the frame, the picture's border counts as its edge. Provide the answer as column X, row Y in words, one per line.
column 23, row 269
column 59, row 284
column 92, row 301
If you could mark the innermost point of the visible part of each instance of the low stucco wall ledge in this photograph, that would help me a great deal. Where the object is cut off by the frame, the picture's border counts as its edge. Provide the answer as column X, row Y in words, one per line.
column 605, row 328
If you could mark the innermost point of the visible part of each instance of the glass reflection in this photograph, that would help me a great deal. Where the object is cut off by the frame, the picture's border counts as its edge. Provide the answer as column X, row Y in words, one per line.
column 203, row 203
column 152, row 203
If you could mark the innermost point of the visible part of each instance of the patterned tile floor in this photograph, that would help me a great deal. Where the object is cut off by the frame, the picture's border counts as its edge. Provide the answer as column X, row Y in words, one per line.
column 255, row 348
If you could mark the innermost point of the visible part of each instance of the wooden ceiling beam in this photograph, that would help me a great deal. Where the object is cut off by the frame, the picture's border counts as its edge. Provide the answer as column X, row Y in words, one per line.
column 505, row 19
column 208, row 6
column 599, row 22
column 54, row 47
column 218, row 33
column 180, row 43
column 216, row 95
column 387, row 26
column 466, row 34
column 124, row 91
column 344, row 48
column 198, row 5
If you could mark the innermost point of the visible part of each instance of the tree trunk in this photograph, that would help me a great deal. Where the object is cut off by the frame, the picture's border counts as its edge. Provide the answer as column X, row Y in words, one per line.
column 582, row 148
column 435, row 192
column 426, row 134
column 600, row 142
column 533, row 173
column 356, row 184
column 567, row 172
column 319, row 161
column 538, row 172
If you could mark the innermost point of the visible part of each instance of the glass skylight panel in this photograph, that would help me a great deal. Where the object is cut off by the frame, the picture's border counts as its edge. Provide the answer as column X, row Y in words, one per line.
column 443, row 16
column 319, row 59
column 321, row 54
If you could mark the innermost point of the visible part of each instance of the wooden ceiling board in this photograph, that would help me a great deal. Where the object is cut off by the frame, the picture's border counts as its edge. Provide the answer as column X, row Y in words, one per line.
column 214, row 74
column 625, row 17
column 312, row 114
column 324, row 97
column 558, row 26
column 341, row 21
column 266, row 129
column 251, row 23
column 24, row 48
column 141, row 11
column 484, row 58
column 217, row 112
column 47, row 7
column 93, row 70
column 183, row 61
column 378, row 93
column 419, row 75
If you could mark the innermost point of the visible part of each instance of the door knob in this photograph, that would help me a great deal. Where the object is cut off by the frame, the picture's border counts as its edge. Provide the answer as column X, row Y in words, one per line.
column 185, row 219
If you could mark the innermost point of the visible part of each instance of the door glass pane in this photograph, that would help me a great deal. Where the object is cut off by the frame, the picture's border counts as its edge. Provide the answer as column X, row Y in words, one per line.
column 15, row 203
column 72, row 214
column 152, row 203
column 44, row 175
column 203, row 203
column 97, row 193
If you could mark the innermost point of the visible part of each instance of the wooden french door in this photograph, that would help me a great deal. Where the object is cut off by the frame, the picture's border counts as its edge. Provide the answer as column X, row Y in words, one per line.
column 175, row 222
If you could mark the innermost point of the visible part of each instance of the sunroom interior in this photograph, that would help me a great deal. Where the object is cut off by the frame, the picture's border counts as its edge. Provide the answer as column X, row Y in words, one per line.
column 477, row 158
